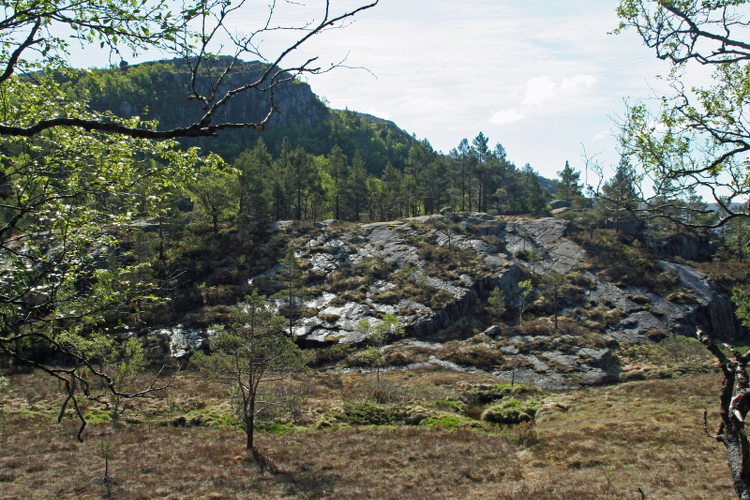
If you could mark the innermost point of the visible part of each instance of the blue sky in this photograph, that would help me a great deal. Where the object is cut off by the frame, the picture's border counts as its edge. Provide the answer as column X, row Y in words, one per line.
column 543, row 78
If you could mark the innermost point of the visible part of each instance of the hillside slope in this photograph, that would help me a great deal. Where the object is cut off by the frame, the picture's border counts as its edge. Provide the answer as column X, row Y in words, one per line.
column 159, row 91
column 586, row 295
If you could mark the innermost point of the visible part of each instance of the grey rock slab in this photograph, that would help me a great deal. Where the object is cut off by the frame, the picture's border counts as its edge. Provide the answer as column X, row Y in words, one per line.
column 182, row 340
column 720, row 315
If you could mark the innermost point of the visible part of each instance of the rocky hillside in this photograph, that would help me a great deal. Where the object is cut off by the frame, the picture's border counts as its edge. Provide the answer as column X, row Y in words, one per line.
column 572, row 299
column 159, row 91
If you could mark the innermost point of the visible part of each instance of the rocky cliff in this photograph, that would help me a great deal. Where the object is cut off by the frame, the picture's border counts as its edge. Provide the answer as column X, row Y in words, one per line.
column 434, row 274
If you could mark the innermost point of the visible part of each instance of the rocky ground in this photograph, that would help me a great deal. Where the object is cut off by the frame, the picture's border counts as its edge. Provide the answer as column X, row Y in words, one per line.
column 434, row 274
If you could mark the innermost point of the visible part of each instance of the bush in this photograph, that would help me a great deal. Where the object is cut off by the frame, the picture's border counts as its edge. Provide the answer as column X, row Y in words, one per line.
column 673, row 352
column 366, row 413
column 486, row 393
column 452, row 405
column 448, row 421
column 332, row 354
column 682, row 296
column 483, row 356
column 97, row 417
column 511, row 412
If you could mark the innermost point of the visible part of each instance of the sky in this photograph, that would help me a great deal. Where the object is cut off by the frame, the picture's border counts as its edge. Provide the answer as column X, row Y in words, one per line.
column 544, row 78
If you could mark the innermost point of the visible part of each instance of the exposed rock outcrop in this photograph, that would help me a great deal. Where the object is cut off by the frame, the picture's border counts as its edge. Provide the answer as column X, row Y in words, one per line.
column 433, row 271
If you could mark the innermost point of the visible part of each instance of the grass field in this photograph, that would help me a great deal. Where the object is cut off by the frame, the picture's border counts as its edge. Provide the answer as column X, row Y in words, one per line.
column 603, row 442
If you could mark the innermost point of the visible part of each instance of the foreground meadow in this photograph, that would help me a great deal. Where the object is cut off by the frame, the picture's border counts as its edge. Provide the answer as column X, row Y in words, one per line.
column 603, row 442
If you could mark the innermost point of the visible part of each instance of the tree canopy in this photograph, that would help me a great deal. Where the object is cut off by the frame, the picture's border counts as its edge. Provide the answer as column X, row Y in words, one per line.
column 699, row 136
column 35, row 38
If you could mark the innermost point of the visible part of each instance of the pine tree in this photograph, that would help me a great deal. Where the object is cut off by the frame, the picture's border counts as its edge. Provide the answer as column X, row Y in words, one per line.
column 254, row 167
column 567, row 186
column 618, row 197
column 248, row 353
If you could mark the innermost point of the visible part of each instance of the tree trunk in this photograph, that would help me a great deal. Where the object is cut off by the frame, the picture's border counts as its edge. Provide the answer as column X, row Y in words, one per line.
column 734, row 409
column 250, row 423
column 738, row 458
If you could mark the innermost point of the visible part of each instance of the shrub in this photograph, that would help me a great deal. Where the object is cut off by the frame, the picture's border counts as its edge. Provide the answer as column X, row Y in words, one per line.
column 639, row 299
column 97, row 417
column 486, row 393
column 511, row 412
column 366, row 413
column 673, row 351
column 452, row 405
column 483, row 356
column 331, row 354
column 681, row 296
column 448, row 421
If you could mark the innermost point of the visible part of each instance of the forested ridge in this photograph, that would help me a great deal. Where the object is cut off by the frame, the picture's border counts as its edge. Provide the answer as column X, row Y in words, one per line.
column 312, row 162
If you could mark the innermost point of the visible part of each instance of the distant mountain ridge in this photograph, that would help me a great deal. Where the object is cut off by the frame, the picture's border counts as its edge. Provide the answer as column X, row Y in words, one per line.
column 159, row 91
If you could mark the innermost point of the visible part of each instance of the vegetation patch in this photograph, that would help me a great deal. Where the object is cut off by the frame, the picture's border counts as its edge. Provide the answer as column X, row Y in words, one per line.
column 673, row 355
column 97, row 417
column 513, row 411
column 448, row 421
column 483, row 356
column 367, row 413
column 487, row 393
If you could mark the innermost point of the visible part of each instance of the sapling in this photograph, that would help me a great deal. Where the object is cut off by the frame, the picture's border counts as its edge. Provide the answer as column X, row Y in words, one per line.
column 4, row 384
column 378, row 334
column 527, row 288
column 247, row 354
column 106, row 451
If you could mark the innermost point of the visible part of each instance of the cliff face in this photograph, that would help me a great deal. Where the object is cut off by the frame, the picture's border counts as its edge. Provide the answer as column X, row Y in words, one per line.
column 434, row 274
column 159, row 91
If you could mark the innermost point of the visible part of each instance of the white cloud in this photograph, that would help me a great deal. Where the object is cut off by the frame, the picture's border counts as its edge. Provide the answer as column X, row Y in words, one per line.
column 505, row 116
column 578, row 82
column 543, row 94
column 538, row 90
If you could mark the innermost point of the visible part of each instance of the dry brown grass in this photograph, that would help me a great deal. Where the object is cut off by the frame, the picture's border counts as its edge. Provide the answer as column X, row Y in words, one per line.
column 595, row 443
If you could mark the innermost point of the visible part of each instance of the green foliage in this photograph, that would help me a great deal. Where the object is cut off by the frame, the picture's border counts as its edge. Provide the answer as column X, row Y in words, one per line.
column 681, row 145
column 367, row 413
column 496, row 303
column 216, row 192
column 619, row 196
column 512, row 411
column 526, row 288
column 98, row 417
column 247, row 354
column 741, row 301
column 455, row 406
column 447, row 421
column 387, row 328
column 567, row 186
column 76, row 193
